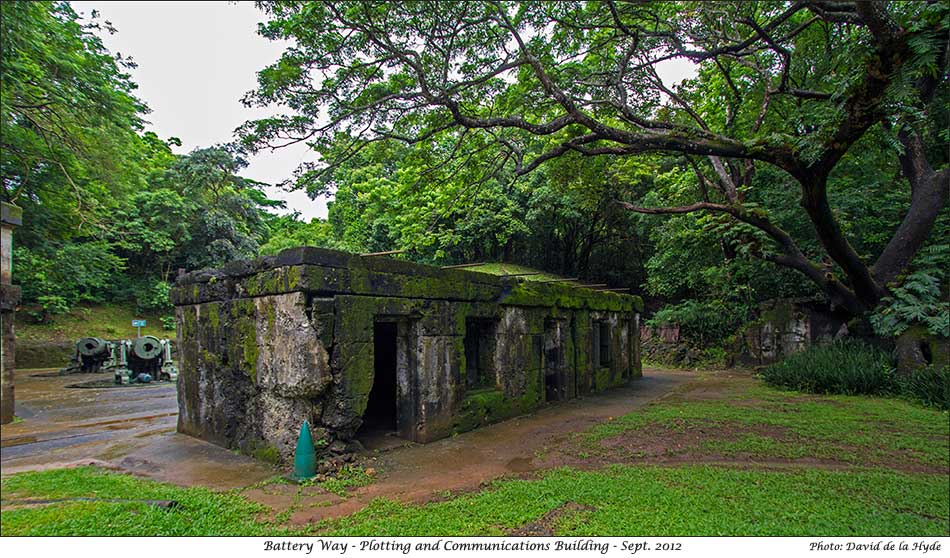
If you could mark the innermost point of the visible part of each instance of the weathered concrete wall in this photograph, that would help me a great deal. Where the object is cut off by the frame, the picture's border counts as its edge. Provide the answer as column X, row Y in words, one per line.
column 10, row 217
column 268, row 343
column 252, row 370
column 785, row 327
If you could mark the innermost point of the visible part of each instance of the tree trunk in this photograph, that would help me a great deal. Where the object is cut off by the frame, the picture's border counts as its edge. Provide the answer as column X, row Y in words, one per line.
column 929, row 194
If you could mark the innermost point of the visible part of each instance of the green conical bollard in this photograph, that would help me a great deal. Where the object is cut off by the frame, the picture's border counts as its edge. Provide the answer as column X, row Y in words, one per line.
column 305, row 456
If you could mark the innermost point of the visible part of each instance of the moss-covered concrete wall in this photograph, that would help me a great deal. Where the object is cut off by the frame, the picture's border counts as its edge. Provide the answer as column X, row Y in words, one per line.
column 268, row 343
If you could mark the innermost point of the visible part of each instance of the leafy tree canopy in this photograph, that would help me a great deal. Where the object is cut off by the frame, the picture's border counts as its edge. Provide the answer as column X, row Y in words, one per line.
column 787, row 97
column 110, row 212
column 68, row 116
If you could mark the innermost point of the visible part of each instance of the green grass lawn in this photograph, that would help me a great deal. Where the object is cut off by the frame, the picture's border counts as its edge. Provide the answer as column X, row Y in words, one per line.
column 663, row 501
column 200, row 511
column 721, row 456
column 747, row 419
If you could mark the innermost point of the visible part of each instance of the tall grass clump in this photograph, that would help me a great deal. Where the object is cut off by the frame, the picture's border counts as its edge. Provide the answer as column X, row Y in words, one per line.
column 847, row 367
column 929, row 385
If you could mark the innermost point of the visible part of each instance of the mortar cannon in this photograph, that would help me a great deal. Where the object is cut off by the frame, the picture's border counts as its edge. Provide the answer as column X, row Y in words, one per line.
column 144, row 359
column 91, row 355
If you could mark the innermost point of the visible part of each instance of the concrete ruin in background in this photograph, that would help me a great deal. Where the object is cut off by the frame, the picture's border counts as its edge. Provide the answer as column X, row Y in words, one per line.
column 781, row 327
column 787, row 326
column 357, row 345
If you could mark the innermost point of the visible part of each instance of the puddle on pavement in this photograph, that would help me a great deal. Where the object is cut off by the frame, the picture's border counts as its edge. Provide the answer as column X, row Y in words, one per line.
column 45, row 375
column 123, row 426
column 148, row 433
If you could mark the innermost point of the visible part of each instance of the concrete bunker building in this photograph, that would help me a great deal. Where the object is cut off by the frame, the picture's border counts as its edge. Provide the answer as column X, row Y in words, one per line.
column 361, row 345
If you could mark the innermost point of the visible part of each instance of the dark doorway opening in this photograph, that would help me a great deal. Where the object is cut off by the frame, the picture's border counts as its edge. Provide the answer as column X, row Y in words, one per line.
column 555, row 364
column 379, row 419
column 553, row 388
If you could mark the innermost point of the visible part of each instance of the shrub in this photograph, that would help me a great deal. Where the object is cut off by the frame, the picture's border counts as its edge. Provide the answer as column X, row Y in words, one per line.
column 49, row 306
column 930, row 386
column 848, row 367
column 168, row 323
column 851, row 367
column 79, row 272
column 714, row 357
column 152, row 296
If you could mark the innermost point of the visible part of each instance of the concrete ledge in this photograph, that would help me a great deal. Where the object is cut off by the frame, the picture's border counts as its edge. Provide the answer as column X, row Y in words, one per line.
column 10, row 214
column 318, row 270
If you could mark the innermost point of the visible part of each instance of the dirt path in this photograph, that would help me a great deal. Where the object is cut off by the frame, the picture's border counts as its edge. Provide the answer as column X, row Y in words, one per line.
column 420, row 473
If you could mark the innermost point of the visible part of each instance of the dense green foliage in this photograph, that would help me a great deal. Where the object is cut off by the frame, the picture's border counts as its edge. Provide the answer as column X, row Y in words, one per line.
column 704, row 322
column 464, row 133
column 920, row 300
column 855, row 368
column 389, row 197
column 797, row 143
column 929, row 385
column 110, row 213
column 804, row 156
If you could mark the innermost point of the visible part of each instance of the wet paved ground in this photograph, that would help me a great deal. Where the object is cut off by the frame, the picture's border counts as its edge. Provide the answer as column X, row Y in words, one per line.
column 133, row 429
column 127, row 428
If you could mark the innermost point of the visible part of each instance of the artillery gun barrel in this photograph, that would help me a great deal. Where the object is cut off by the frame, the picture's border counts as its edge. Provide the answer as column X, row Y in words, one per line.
column 145, row 358
column 90, row 355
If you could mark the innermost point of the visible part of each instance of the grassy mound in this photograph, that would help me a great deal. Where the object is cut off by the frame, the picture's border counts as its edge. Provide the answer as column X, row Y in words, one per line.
column 524, row 272
column 107, row 321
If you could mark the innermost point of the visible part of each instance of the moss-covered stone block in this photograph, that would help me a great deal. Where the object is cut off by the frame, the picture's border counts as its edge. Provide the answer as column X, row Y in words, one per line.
column 356, row 374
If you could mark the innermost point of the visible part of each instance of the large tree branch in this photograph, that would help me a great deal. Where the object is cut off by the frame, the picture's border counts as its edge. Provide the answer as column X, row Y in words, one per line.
column 791, row 255
column 864, row 105
column 815, row 202
column 863, row 108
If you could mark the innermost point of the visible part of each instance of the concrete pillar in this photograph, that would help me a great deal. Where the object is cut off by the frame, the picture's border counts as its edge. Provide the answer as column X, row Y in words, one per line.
column 10, row 216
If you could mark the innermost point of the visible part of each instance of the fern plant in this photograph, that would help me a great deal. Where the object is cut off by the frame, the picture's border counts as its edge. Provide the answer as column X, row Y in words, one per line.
column 918, row 301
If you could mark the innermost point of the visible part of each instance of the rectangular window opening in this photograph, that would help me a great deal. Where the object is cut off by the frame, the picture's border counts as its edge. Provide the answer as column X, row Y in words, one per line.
column 479, row 353
column 603, row 340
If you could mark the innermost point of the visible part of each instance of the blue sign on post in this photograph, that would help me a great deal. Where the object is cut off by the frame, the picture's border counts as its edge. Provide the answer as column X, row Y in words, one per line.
column 139, row 324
